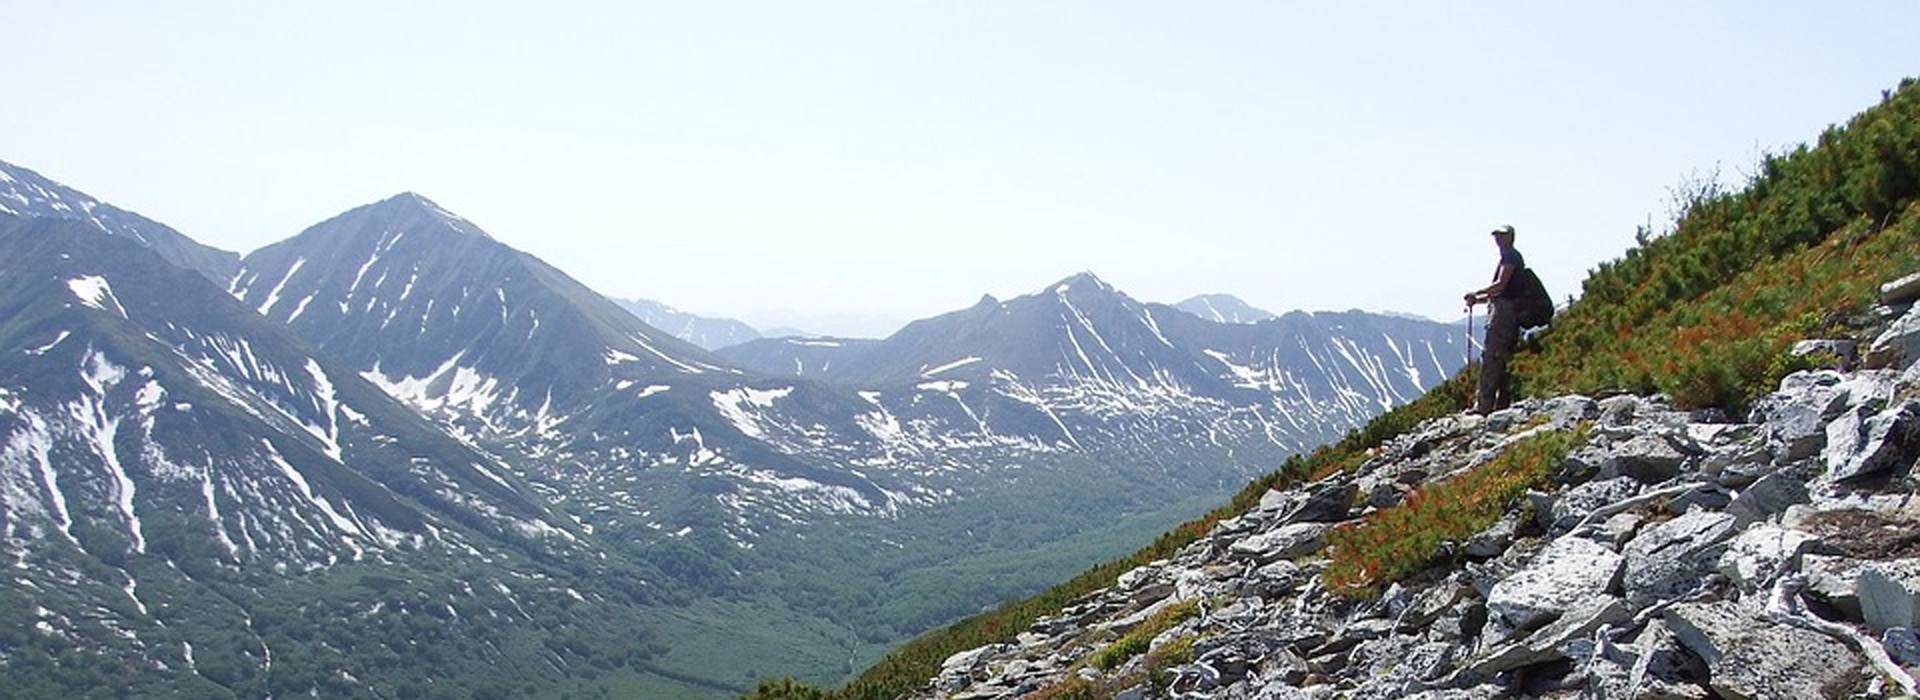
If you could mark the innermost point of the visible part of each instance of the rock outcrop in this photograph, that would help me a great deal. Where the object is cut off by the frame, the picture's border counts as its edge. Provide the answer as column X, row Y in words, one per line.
column 1677, row 554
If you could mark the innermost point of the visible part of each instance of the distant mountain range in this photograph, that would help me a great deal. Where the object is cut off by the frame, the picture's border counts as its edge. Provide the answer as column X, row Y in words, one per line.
column 1224, row 308
column 398, row 419
column 708, row 333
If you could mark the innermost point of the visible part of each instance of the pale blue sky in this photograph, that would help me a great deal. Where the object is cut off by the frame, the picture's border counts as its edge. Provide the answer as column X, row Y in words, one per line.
column 900, row 159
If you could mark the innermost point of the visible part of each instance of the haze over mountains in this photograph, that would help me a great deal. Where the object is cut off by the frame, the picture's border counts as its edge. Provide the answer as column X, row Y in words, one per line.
column 396, row 418
column 708, row 333
column 1224, row 308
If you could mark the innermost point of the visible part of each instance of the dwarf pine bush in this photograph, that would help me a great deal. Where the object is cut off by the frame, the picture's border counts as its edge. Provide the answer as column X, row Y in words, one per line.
column 1707, row 313
column 1137, row 641
column 1391, row 544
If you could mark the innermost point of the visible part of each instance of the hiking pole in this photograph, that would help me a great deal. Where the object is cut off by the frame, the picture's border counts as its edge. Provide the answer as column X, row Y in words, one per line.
column 1469, row 351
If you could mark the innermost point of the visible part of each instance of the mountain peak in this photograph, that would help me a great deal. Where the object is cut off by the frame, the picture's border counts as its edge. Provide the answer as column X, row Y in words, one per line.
column 1083, row 282
column 413, row 205
column 1224, row 308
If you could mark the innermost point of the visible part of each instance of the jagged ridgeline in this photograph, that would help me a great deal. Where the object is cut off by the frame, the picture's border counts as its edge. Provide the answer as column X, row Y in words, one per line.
column 1706, row 313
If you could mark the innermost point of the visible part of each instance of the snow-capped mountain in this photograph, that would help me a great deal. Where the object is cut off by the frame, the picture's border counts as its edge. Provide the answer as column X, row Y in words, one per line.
column 1093, row 361
column 25, row 193
column 621, row 418
column 1224, row 308
column 395, row 397
column 511, row 351
column 429, row 306
column 188, row 495
column 708, row 333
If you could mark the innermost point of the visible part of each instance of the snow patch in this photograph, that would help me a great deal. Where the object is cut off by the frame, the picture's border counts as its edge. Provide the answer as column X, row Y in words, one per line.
column 328, row 431
column 213, row 512
column 641, row 341
column 301, row 308
column 42, row 350
column 150, row 396
column 956, row 364
column 1248, row 377
column 467, row 389
column 841, row 499
column 883, row 425
column 28, row 477
column 90, row 413
column 738, row 405
column 273, row 297
column 94, row 291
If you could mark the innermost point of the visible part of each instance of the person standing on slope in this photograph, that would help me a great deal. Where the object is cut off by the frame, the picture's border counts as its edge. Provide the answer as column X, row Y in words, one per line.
column 1503, row 325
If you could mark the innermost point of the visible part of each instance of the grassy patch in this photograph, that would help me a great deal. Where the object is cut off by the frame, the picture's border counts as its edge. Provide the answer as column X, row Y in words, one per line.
column 1393, row 543
column 1072, row 689
column 1137, row 641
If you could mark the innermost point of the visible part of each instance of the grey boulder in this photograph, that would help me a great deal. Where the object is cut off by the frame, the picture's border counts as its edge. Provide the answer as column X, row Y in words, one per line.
column 1753, row 658
column 1566, row 573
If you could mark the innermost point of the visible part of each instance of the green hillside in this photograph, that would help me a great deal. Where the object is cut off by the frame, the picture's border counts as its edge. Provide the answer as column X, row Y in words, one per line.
column 1704, row 313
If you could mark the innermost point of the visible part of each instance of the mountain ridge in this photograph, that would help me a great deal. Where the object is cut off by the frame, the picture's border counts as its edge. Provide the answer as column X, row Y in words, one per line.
column 26, row 193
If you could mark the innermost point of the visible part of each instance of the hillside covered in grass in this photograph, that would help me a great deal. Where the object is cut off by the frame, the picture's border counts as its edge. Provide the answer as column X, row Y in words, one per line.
column 1706, row 314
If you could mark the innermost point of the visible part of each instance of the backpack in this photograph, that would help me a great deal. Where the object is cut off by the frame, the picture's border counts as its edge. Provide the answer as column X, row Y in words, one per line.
column 1532, row 305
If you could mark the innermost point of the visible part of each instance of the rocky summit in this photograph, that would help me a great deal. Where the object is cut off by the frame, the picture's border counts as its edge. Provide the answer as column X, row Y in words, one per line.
column 1671, row 554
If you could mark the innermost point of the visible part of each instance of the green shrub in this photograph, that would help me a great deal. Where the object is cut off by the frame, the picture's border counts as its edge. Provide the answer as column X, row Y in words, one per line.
column 1137, row 641
column 1391, row 544
column 1072, row 689
column 1707, row 313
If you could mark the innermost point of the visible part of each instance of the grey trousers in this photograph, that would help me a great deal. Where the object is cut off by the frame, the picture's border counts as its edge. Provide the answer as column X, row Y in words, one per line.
column 1503, row 333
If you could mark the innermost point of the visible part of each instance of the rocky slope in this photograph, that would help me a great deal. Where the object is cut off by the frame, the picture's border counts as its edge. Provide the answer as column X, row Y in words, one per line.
column 1674, row 554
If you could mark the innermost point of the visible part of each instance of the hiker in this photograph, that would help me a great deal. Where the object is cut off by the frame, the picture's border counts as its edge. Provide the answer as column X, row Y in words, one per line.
column 1503, row 326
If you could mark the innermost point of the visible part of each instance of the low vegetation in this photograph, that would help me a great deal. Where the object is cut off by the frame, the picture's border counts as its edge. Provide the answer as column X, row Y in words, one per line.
column 1705, row 313
column 1137, row 641
column 1391, row 544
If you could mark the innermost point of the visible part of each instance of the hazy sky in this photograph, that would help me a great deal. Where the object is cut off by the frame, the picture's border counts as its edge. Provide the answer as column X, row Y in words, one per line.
column 899, row 159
